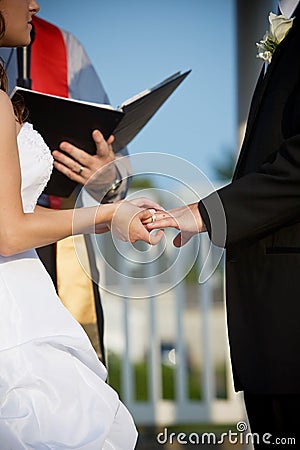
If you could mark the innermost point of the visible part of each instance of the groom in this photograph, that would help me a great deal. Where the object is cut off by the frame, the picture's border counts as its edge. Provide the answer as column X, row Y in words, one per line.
column 262, row 210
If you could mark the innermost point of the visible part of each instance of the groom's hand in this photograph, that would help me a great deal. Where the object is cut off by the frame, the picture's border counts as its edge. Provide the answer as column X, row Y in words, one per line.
column 187, row 219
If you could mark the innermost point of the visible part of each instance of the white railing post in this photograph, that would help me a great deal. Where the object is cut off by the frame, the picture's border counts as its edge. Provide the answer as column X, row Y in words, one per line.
column 205, row 301
column 180, row 350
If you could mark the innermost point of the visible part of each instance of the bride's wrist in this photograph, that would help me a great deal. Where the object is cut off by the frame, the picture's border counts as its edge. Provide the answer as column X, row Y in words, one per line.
column 105, row 213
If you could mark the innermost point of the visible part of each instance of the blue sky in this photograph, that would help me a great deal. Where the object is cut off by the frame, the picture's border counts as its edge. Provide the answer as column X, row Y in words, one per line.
column 135, row 44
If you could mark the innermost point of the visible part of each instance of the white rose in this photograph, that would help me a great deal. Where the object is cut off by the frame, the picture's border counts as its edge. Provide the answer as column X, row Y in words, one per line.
column 279, row 27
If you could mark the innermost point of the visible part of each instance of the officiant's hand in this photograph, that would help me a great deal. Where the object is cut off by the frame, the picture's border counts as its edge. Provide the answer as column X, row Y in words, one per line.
column 80, row 166
column 187, row 219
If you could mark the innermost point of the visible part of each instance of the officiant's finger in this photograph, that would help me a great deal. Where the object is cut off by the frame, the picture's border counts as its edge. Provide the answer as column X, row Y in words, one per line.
column 104, row 148
column 75, row 174
column 71, row 153
column 98, row 136
column 76, row 163
column 80, row 162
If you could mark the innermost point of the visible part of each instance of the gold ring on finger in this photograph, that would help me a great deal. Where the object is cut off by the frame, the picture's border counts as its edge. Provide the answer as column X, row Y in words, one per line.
column 80, row 170
column 153, row 218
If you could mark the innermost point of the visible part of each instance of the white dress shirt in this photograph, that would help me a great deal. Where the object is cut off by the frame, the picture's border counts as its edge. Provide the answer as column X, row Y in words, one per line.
column 287, row 7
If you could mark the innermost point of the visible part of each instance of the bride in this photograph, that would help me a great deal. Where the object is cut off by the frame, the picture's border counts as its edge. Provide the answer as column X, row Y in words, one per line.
column 53, row 393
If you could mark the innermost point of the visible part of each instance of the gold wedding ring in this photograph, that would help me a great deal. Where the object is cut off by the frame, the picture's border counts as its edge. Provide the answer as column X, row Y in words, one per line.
column 153, row 218
column 80, row 170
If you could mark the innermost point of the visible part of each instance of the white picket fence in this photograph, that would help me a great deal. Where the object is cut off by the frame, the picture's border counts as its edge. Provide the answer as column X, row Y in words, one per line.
column 183, row 330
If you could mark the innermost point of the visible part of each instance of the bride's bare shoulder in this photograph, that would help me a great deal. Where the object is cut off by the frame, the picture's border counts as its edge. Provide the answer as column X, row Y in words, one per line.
column 6, row 111
column 4, row 96
column 5, row 101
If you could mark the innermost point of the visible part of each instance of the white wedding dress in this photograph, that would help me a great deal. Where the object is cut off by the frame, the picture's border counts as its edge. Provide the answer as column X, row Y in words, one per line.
column 53, row 393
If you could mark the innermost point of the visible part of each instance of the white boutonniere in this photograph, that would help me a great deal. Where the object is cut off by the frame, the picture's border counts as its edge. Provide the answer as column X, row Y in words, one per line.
column 279, row 27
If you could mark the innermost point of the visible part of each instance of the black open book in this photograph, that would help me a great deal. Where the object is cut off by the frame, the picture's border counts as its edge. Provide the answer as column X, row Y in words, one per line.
column 60, row 119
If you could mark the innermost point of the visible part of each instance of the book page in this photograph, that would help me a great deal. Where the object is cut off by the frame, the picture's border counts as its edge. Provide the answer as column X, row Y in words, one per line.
column 100, row 105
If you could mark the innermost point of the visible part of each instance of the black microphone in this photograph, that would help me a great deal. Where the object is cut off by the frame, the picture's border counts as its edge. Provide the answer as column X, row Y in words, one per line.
column 23, row 62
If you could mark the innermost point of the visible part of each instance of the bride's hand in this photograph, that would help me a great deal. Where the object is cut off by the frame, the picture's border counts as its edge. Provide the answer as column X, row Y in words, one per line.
column 127, row 223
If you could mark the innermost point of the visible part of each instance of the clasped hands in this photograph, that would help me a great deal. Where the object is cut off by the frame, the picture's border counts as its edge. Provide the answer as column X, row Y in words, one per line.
column 136, row 219
column 129, row 220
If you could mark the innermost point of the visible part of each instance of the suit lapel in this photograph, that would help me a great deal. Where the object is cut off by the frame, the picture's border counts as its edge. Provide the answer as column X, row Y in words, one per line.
column 260, row 90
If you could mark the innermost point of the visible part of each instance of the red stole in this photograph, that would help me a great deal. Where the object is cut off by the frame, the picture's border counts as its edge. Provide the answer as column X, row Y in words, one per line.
column 49, row 67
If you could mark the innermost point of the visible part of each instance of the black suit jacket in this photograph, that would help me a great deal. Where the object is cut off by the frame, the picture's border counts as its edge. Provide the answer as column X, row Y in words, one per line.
column 262, row 209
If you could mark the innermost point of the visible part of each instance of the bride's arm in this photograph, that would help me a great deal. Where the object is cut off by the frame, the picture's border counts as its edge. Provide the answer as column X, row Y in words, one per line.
column 20, row 231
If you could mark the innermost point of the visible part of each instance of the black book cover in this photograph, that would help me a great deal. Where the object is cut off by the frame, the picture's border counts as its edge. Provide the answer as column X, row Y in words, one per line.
column 60, row 119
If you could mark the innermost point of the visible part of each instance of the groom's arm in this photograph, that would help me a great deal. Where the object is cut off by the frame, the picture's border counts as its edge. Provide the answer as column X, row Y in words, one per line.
column 258, row 203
